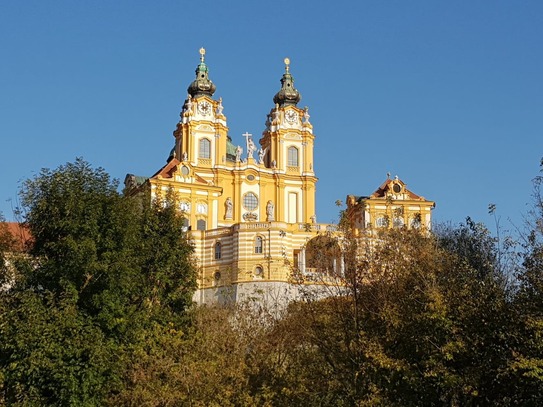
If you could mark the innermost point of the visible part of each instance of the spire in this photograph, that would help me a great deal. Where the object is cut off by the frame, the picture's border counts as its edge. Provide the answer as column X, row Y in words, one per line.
column 288, row 95
column 202, row 85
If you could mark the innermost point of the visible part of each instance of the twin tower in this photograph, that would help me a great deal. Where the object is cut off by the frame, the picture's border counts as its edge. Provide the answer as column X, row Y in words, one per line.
column 250, row 210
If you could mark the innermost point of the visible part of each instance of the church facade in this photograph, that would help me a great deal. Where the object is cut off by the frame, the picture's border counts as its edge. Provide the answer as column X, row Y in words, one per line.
column 249, row 210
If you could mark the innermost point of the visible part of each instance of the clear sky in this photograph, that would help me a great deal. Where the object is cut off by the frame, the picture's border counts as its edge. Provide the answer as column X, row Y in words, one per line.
column 448, row 95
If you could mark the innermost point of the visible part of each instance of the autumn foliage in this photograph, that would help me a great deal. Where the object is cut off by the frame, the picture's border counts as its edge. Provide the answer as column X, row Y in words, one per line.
column 99, row 314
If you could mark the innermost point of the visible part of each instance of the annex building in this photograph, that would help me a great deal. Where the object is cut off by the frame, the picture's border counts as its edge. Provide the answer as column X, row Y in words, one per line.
column 250, row 210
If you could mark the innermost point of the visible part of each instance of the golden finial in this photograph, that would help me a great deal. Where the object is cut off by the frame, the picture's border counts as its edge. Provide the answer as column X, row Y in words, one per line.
column 202, row 53
column 287, row 63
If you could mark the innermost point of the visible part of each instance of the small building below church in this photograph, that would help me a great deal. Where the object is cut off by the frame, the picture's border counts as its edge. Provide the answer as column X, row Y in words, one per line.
column 392, row 205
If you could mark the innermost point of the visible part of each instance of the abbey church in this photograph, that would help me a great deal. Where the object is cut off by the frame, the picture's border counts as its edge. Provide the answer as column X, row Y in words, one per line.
column 250, row 210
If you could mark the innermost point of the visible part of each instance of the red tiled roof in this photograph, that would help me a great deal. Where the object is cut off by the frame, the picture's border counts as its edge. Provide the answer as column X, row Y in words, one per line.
column 21, row 235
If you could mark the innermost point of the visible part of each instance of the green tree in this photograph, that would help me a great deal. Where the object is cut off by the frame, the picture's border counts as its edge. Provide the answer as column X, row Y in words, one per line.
column 103, row 269
column 526, row 368
column 51, row 354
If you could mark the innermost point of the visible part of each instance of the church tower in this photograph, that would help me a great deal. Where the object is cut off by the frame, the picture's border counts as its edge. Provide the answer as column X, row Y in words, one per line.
column 201, row 133
column 288, row 139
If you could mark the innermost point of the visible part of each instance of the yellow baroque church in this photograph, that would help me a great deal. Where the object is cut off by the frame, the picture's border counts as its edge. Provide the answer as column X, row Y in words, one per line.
column 250, row 210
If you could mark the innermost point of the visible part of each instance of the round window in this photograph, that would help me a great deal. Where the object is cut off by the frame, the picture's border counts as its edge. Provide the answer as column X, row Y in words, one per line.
column 250, row 201
column 397, row 188
column 250, row 177
column 185, row 170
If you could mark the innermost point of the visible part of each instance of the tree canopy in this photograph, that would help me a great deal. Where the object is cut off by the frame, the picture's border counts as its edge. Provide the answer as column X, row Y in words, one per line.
column 99, row 314
column 103, row 268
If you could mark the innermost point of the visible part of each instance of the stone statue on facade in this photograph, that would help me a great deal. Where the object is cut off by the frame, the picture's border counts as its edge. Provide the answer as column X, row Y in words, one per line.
column 239, row 152
column 270, row 211
column 251, row 148
column 306, row 115
column 188, row 106
column 228, row 207
column 275, row 118
column 219, row 108
column 262, row 155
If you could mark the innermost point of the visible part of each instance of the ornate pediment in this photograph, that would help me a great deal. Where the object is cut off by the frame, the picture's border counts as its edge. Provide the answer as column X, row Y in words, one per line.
column 205, row 127
column 292, row 136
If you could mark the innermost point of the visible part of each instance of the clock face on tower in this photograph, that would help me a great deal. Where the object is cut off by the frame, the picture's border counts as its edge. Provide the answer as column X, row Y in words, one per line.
column 291, row 116
column 204, row 108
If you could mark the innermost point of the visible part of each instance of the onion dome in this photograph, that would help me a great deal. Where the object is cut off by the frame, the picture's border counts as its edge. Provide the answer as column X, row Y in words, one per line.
column 288, row 95
column 202, row 85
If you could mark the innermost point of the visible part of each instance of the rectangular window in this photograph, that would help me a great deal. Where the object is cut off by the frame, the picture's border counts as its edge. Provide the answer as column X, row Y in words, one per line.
column 205, row 148
column 258, row 245
column 292, row 207
column 292, row 159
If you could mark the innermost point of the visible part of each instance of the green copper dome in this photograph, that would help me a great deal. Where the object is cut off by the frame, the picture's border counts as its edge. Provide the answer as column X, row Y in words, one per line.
column 288, row 95
column 202, row 85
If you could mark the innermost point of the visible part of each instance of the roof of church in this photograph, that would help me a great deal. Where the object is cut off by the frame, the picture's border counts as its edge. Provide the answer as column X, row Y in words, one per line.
column 381, row 192
column 202, row 85
column 288, row 95
column 168, row 170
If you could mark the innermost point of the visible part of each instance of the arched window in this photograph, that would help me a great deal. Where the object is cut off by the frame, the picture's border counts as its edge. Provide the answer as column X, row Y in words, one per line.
column 398, row 222
column 205, row 148
column 416, row 221
column 382, row 221
column 218, row 248
column 292, row 159
column 258, row 245
column 184, row 206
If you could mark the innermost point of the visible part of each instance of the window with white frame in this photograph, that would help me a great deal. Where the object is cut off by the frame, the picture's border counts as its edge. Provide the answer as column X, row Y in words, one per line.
column 259, row 243
column 398, row 222
column 292, row 157
column 205, row 148
column 382, row 221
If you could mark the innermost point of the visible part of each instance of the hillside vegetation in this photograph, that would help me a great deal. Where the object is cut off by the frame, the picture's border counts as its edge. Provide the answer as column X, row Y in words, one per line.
column 98, row 312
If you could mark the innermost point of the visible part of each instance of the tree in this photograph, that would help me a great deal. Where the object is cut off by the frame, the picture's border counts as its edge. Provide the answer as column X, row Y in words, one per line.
column 526, row 368
column 103, row 269
column 414, row 322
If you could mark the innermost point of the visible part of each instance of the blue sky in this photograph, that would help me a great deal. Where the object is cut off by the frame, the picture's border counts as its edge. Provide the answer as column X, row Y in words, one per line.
column 446, row 95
